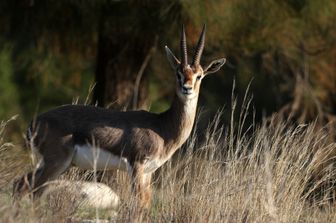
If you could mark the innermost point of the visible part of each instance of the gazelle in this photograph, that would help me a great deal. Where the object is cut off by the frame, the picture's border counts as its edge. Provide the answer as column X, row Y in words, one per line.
column 135, row 141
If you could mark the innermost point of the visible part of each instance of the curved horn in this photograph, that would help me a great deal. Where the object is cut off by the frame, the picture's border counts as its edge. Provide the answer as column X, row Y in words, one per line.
column 184, row 57
column 199, row 48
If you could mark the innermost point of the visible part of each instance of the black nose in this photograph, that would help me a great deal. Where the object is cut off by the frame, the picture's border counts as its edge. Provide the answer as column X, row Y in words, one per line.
column 186, row 88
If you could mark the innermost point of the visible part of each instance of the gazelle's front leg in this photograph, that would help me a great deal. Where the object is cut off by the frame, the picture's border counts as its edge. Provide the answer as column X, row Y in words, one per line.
column 141, row 185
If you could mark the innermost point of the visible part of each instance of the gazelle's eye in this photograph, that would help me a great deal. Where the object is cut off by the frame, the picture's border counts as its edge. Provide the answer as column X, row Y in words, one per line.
column 198, row 77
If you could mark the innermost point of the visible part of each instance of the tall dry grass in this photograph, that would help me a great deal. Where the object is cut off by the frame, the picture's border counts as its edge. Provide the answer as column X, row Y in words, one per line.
column 266, row 177
column 272, row 172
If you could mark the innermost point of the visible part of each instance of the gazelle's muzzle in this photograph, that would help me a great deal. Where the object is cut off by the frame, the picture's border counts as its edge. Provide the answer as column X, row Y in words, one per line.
column 187, row 89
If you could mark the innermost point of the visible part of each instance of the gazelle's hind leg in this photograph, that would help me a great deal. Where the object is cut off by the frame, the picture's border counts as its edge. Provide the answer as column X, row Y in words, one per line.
column 57, row 158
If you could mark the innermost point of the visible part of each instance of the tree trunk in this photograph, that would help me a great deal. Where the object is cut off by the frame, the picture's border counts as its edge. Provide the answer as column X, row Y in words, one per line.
column 123, row 53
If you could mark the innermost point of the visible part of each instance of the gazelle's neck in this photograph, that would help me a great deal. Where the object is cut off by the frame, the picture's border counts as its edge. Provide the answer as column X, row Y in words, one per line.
column 178, row 122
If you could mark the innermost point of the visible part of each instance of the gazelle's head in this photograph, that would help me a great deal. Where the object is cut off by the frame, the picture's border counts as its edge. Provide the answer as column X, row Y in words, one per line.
column 189, row 76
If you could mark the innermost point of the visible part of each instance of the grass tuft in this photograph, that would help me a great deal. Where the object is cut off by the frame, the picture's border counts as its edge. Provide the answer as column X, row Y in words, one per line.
column 272, row 172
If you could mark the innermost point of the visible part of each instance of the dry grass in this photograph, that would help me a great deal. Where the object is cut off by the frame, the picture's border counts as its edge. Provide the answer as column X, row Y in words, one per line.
column 276, row 173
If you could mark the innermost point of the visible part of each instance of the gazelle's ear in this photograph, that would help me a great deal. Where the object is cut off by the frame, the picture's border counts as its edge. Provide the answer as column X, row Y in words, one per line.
column 214, row 66
column 173, row 61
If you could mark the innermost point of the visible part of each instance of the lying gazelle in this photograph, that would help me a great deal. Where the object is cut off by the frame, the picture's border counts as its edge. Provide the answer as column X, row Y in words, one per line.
column 135, row 141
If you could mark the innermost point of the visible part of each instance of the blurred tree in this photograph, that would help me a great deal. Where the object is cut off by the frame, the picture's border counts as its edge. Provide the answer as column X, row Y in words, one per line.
column 287, row 47
column 51, row 64
column 126, row 45
column 59, row 47
column 8, row 91
column 126, row 42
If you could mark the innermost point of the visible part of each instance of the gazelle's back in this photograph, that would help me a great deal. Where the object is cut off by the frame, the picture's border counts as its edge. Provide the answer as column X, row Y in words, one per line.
column 74, row 116
column 118, row 132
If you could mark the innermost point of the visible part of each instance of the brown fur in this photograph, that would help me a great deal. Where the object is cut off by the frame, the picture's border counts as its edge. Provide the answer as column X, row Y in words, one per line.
column 135, row 135
column 138, row 136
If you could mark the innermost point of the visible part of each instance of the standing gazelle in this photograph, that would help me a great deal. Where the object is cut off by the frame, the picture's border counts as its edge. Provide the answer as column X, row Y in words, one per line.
column 135, row 141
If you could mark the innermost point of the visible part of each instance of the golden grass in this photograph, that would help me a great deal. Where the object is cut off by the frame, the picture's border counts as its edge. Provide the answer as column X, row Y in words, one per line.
column 275, row 173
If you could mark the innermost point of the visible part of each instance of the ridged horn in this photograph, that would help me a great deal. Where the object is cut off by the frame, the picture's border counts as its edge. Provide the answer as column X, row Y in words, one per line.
column 199, row 48
column 184, row 57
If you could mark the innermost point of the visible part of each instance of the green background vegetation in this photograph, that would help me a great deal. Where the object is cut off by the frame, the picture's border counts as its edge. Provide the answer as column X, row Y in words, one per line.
column 48, row 52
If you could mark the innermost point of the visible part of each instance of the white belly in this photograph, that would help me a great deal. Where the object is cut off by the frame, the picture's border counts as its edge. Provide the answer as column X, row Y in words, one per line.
column 92, row 158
